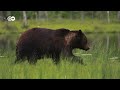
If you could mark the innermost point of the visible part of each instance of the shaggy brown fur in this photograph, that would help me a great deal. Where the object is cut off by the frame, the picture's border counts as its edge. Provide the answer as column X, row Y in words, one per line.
column 39, row 42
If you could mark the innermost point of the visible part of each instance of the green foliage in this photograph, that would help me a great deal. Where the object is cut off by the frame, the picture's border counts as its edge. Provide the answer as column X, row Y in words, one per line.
column 98, row 66
column 88, row 25
column 67, row 14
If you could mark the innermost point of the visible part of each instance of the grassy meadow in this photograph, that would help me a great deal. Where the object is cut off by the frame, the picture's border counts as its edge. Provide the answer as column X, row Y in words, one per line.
column 102, row 63
column 86, row 26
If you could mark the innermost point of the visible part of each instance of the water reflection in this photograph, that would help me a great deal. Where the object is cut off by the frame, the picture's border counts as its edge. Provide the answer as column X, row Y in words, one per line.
column 107, row 40
column 7, row 42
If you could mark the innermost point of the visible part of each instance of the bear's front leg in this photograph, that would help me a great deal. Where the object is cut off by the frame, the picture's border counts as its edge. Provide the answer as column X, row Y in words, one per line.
column 67, row 52
column 77, row 59
column 56, row 58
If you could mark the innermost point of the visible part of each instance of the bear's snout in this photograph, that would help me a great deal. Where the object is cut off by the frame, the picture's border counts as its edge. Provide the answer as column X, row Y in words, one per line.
column 87, row 48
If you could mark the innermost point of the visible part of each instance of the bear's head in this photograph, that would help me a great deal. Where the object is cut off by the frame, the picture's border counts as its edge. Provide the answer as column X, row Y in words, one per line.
column 77, row 39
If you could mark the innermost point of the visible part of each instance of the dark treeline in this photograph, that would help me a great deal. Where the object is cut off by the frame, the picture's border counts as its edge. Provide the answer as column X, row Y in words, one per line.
column 62, row 14
column 108, row 16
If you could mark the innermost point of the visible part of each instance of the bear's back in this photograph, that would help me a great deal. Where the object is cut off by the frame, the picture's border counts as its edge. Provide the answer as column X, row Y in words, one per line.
column 42, row 35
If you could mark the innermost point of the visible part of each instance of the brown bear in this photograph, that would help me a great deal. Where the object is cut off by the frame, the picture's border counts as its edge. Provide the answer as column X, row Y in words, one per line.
column 36, row 43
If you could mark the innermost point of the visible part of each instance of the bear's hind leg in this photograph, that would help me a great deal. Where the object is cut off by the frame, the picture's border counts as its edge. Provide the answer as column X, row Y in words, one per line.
column 32, row 58
column 20, row 55
column 19, row 59
column 78, row 59
column 56, row 59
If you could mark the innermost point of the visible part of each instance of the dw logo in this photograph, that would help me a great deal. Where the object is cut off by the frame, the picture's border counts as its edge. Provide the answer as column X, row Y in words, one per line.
column 11, row 18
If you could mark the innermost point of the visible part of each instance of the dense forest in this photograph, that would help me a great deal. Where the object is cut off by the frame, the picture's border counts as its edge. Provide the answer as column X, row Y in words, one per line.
column 40, row 15
column 90, row 21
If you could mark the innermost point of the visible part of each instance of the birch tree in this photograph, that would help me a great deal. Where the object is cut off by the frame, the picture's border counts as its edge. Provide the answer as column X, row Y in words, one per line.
column 118, row 15
column 25, row 24
column 43, row 15
column 1, row 16
column 108, row 16
column 82, row 16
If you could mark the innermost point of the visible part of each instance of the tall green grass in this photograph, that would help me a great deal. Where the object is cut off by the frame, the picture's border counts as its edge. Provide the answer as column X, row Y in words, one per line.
column 98, row 66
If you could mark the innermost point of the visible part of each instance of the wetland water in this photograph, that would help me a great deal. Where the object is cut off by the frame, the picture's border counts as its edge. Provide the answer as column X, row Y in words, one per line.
column 107, row 41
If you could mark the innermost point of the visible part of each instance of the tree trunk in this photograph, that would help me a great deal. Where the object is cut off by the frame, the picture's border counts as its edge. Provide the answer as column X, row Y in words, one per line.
column 24, row 19
column 8, row 13
column 108, row 16
column 107, row 40
column 60, row 14
column 118, row 40
column 71, row 15
column 82, row 16
column 39, row 15
column 46, row 15
column 1, row 16
column 36, row 16
column 92, row 15
column 118, row 15
column 42, row 15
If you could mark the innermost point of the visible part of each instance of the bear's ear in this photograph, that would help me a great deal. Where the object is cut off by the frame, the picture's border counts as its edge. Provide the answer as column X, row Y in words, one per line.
column 62, row 32
column 80, row 31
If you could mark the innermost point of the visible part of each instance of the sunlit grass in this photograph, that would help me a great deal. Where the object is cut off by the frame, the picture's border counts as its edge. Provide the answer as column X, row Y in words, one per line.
column 98, row 66
column 88, row 25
